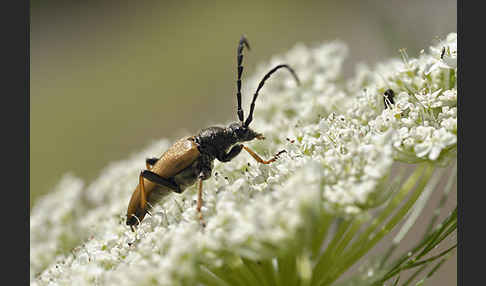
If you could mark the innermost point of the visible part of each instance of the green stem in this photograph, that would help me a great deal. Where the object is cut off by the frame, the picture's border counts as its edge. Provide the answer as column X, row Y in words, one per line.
column 357, row 252
column 248, row 275
column 321, row 234
column 415, row 264
column 287, row 271
column 269, row 270
column 452, row 78
column 257, row 272
column 451, row 225
column 413, row 217
column 407, row 187
column 388, row 254
column 229, row 275
column 436, row 267
column 422, row 262
column 347, row 238
column 414, row 275
column 324, row 261
column 427, row 241
column 209, row 278
column 443, row 199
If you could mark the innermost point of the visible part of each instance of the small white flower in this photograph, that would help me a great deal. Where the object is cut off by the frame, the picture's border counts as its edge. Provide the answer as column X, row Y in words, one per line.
column 429, row 100
column 449, row 97
column 434, row 143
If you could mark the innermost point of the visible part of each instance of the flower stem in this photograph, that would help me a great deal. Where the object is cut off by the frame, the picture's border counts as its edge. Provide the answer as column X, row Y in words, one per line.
column 365, row 243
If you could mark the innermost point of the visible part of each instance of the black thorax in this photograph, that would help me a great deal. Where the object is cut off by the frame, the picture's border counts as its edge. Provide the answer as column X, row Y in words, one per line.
column 214, row 141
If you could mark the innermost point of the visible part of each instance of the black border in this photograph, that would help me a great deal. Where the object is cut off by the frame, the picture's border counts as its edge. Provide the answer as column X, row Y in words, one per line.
column 460, row 184
column 471, row 161
column 15, row 118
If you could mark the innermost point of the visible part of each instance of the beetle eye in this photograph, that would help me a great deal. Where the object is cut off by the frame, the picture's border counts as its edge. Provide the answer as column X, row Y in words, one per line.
column 132, row 220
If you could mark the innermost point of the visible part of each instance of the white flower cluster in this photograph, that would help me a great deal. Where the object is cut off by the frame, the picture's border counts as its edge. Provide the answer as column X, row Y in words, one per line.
column 340, row 144
column 424, row 112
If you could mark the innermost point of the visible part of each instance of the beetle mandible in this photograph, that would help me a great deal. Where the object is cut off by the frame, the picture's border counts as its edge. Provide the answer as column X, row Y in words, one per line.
column 191, row 158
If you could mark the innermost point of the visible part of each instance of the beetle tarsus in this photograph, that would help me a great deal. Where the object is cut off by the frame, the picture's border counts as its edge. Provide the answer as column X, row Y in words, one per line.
column 278, row 154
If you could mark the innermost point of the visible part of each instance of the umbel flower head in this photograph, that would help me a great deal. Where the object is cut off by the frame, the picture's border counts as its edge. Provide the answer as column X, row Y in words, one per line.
column 305, row 218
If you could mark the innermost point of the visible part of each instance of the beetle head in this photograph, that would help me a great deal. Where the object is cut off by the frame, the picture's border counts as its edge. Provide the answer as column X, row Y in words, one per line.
column 134, row 219
column 135, row 213
column 243, row 133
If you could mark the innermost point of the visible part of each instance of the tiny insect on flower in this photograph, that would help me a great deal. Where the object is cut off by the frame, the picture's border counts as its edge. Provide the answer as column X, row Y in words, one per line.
column 191, row 159
column 388, row 98
column 442, row 53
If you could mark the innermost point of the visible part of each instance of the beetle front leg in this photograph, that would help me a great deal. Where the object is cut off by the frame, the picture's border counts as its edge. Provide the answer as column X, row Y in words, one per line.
column 259, row 159
column 235, row 150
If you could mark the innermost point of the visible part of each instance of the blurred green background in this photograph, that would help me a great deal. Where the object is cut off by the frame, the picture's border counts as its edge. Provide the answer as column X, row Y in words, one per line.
column 109, row 77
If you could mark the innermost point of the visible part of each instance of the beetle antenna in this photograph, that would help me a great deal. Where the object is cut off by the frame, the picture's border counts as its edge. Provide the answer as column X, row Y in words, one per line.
column 243, row 42
column 262, row 82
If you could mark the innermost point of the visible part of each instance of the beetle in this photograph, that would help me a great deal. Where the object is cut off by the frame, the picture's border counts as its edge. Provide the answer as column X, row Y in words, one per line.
column 191, row 159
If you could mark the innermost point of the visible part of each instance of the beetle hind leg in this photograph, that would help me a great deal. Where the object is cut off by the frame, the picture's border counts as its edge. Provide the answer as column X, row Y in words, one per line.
column 143, row 197
column 153, row 177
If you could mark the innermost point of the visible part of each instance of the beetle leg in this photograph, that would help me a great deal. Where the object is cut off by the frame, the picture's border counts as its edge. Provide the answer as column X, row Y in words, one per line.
column 199, row 202
column 143, row 198
column 235, row 150
column 151, row 176
column 150, row 207
column 259, row 159
column 149, row 162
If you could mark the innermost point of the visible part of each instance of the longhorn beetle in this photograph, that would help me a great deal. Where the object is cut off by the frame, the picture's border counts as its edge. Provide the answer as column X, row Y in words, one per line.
column 191, row 158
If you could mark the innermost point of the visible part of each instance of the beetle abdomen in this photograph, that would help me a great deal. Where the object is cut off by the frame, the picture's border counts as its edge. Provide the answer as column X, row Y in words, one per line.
column 157, row 194
column 187, row 177
column 178, row 157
